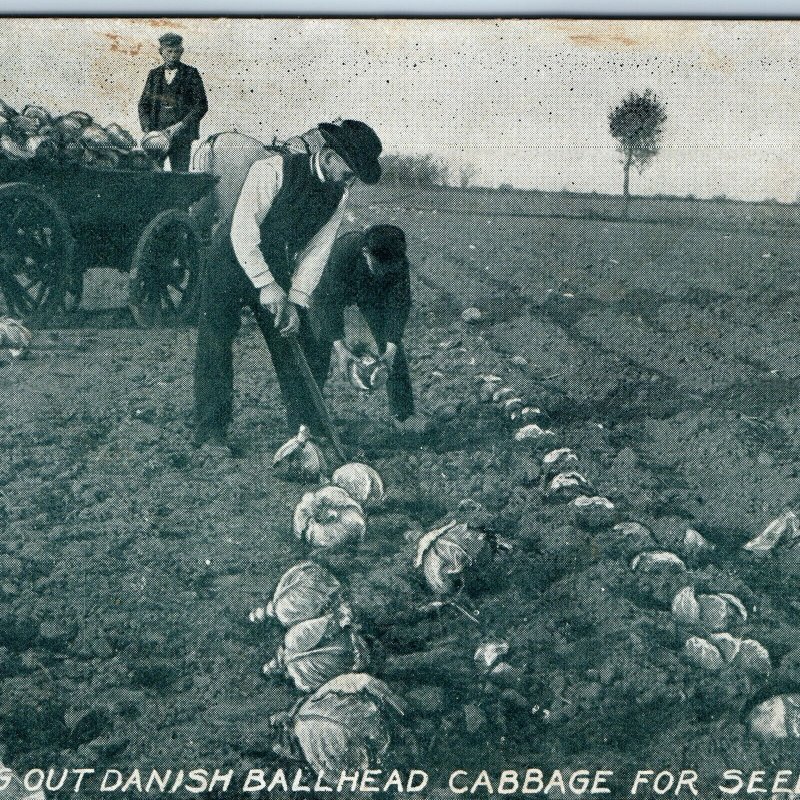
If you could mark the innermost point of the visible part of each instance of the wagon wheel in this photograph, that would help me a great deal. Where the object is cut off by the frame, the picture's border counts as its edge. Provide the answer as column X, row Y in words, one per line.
column 36, row 251
column 164, row 270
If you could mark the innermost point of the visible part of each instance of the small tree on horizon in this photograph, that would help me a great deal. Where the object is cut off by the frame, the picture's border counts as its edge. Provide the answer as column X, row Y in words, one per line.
column 466, row 175
column 637, row 125
column 414, row 169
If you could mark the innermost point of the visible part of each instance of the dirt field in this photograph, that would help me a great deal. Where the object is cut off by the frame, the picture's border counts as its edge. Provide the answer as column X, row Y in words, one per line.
column 666, row 356
column 764, row 216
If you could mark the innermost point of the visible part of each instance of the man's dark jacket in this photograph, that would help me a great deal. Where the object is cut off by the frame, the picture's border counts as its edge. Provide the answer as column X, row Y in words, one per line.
column 163, row 104
column 347, row 281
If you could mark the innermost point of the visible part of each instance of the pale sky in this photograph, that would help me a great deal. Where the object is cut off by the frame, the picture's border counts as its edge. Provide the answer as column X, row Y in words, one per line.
column 526, row 102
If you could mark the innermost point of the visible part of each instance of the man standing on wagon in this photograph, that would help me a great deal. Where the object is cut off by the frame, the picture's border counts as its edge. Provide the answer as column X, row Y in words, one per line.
column 270, row 257
column 174, row 101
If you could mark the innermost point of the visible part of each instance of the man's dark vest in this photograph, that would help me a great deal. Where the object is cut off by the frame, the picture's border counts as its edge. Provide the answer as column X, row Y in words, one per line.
column 168, row 105
column 300, row 209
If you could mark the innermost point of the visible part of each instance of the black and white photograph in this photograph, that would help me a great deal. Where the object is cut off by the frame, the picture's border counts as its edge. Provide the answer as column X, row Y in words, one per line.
column 398, row 407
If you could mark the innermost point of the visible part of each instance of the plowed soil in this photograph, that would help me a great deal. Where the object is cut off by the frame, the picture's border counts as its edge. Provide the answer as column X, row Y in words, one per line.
column 666, row 358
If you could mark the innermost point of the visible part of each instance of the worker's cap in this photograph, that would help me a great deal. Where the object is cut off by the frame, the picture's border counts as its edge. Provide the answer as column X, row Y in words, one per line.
column 387, row 244
column 170, row 40
column 357, row 144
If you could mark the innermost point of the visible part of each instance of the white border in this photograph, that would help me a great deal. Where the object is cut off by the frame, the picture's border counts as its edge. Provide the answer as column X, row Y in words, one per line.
column 747, row 9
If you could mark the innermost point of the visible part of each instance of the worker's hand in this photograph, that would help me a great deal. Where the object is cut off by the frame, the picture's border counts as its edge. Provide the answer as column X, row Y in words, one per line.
column 174, row 130
column 291, row 320
column 389, row 355
column 273, row 299
column 344, row 357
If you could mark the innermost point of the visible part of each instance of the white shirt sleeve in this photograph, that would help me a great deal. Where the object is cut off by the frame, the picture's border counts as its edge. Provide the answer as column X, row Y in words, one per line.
column 261, row 186
column 312, row 260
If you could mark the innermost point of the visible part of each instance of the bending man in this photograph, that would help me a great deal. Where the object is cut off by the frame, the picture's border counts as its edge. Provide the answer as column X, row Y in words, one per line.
column 369, row 269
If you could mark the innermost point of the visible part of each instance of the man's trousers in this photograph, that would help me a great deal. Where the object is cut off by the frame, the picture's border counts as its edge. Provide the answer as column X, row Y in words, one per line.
column 225, row 291
column 179, row 154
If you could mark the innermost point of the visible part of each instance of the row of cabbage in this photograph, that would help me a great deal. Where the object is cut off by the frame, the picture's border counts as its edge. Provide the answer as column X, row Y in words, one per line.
column 34, row 134
column 322, row 652
column 710, row 621
column 345, row 722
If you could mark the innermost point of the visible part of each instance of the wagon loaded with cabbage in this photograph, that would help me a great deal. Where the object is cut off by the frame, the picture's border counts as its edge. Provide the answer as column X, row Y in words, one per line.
column 75, row 196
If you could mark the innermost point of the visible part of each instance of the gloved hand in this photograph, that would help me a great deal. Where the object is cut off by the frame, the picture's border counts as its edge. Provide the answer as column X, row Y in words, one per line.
column 344, row 357
column 389, row 355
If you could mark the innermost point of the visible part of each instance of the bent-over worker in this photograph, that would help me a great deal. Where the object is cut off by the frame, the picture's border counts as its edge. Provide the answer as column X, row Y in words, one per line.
column 369, row 269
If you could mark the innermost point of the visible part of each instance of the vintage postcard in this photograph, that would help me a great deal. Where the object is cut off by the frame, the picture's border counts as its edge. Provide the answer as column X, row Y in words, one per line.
column 399, row 407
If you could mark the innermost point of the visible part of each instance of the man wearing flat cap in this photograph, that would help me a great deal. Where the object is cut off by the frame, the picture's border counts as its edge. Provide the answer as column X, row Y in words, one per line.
column 174, row 101
column 369, row 269
column 270, row 256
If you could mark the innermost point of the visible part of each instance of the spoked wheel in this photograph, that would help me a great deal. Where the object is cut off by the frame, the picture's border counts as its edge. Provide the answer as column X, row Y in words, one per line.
column 36, row 251
column 164, row 270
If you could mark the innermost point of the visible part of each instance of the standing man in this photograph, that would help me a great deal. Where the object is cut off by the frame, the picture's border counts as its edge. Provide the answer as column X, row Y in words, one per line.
column 174, row 101
column 270, row 257
column 369, row 269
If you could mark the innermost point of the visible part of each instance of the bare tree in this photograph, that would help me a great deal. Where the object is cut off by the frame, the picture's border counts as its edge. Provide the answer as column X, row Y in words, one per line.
column 424, row 170
column 413, row 170
column 466, row 174
column 637, row 125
